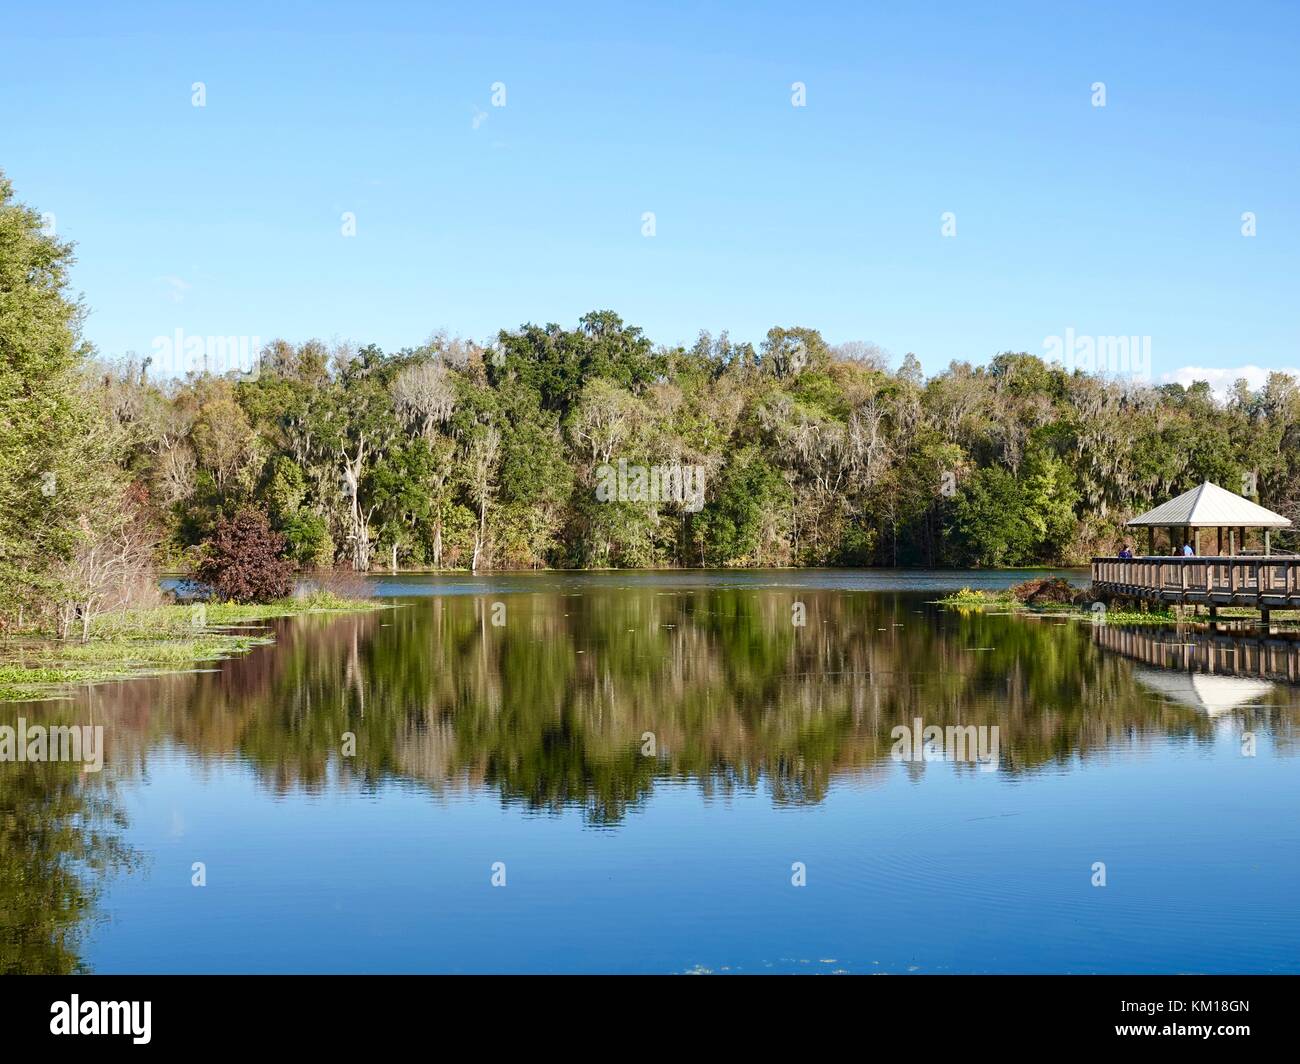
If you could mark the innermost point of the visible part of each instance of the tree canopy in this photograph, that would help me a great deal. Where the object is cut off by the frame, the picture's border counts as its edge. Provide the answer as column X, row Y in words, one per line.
column 457, row 454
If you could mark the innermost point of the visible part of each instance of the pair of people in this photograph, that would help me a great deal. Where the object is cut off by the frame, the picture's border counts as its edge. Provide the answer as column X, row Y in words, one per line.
column 1126, row 551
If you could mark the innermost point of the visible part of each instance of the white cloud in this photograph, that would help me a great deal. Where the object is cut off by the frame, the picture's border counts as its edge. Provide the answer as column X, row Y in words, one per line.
column 1222, row 378
column 177, row 287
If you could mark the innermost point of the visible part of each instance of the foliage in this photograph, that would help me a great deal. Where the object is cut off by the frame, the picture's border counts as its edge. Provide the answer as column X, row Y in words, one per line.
column 746, row 515
column 967, row 596
column 50, row 445
column 244, row 560
column 451, row 454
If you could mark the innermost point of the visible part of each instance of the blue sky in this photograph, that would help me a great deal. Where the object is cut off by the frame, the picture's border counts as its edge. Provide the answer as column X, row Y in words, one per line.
column 1116, row 220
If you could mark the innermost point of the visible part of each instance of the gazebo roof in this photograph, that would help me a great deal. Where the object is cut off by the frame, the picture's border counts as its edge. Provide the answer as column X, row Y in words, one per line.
column 1210, row 506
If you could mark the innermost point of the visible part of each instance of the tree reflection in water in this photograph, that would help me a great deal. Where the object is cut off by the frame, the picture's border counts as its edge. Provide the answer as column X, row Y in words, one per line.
column 553, row 710
column 59, row 839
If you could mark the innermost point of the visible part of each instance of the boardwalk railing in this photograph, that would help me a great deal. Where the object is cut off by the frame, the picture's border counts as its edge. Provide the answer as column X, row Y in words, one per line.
column 1264, row 582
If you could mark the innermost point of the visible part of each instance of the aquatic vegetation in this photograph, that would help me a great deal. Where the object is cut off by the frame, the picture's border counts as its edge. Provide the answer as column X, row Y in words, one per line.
column 146, row 642
column 1050, row 598
column 975, row 598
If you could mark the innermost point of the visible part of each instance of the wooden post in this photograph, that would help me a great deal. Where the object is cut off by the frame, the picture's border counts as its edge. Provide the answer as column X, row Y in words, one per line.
column 1267, row 544
column 1220, row 531
column 1196, row 541
column 1232, row 541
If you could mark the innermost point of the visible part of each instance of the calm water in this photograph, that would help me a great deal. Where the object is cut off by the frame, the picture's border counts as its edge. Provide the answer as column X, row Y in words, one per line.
column 523, row 744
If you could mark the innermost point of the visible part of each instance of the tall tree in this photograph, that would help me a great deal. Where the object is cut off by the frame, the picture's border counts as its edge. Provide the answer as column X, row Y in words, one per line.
column 51, row 441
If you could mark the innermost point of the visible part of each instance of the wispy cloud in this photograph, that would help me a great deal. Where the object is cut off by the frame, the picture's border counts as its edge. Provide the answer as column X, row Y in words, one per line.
column 176, row 287
column 1222, row 378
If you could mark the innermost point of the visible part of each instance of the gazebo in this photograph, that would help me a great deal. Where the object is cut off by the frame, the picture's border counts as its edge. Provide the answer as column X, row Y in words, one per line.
column 1259, row 580
column 1209, row 506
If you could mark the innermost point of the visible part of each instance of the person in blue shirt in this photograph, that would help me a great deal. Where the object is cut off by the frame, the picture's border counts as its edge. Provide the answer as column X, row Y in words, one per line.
column 1187, row 551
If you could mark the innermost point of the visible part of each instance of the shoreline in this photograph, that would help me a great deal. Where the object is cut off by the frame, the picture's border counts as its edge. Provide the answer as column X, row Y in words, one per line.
column 151, row 641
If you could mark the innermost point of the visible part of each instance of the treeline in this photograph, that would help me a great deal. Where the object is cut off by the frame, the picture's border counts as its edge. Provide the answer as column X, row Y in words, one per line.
column 454, row 454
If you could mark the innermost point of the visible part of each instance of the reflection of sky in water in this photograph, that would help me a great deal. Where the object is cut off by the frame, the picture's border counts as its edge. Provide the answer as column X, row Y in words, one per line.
column 478, row 745
column 956, row 873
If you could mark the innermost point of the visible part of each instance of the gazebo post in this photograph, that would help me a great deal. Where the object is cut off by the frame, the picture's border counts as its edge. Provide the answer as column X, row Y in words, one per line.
column 1232, row 541
column 1196, row 542
column 1267, row 544
column 1220, row 531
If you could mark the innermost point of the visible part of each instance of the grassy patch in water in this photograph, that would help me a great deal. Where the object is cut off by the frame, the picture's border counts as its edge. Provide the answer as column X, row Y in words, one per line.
column 1126, row 617
column 187, row 618
column 968, row 599
column 975, row 599
column 147, row 642
column 23, row 681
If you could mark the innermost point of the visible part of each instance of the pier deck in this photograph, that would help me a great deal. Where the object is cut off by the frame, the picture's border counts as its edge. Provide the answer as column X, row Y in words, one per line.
column 1267, row 582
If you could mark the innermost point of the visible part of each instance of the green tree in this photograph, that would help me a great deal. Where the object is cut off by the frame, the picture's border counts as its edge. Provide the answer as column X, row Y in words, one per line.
column 989, row 523
column 748, row 504
column 51, row 441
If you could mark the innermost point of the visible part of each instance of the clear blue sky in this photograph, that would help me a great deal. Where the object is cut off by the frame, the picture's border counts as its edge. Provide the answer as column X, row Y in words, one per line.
column 1121, row 220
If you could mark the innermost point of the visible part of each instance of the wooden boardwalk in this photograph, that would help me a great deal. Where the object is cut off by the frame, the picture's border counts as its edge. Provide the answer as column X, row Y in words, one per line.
column 1263, row 583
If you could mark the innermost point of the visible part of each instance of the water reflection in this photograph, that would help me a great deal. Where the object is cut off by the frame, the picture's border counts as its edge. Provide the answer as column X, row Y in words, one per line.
column 557, row 707
column 554, row 707
column 1240, row 652
column 60, row 837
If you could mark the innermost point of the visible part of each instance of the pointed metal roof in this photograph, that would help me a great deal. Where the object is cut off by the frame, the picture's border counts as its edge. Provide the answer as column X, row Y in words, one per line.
column 1210, row 506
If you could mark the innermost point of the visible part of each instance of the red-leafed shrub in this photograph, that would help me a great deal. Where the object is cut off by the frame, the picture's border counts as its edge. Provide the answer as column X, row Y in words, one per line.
column 243, row 560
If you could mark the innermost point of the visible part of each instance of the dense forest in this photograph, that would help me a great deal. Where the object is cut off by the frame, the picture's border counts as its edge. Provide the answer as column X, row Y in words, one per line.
column 456, row 454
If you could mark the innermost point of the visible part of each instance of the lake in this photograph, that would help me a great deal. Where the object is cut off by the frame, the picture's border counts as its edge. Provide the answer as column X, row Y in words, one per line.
column 631, row 772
